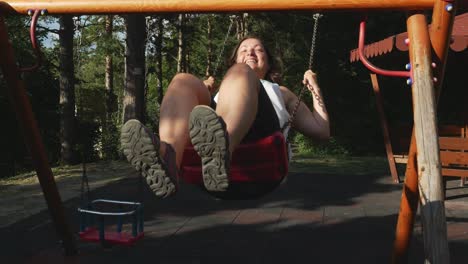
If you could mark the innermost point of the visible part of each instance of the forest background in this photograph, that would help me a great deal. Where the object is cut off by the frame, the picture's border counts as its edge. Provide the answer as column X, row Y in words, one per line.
column 99, row 71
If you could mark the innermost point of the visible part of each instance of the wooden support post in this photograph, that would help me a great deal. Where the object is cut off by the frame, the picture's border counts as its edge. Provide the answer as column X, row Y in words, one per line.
column 28, row 126
column 464, row 135
column 425, row 128
column 408, row 208
column 384, row 125
column 440, row 33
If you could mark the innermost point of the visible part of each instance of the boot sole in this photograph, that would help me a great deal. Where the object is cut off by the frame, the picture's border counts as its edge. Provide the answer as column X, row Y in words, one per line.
column 143, row 154
column 208, row 136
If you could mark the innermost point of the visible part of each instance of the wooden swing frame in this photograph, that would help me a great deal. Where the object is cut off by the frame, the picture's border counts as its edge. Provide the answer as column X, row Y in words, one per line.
column 425, row 46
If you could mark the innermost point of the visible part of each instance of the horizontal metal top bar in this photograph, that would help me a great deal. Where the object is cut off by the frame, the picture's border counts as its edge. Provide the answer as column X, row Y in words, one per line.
column 163, row 6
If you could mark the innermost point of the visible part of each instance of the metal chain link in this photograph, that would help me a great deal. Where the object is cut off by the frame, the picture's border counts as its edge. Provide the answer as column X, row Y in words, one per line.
column 84, row 197
column 78, row 28
column 316, row 17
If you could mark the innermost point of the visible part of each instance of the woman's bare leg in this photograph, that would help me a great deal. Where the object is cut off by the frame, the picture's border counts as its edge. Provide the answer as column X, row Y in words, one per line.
column 184, row 93
column 238, row 102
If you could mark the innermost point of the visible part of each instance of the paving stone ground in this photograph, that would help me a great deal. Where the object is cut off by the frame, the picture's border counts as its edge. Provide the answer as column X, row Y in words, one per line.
column 313, row 218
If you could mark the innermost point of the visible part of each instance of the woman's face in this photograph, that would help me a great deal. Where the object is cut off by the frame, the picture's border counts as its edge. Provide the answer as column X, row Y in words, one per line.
column 252, row 53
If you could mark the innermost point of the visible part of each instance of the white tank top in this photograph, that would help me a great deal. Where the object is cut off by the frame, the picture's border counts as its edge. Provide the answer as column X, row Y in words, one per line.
column 276, row 98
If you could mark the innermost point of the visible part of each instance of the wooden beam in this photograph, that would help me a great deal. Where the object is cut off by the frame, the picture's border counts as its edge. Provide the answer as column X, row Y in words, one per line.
column 408, row 207
column 442, row 22
column 431, row 188
column 384, row 125
column 454, row 143
column 28, row 126
column 455, row 172
column 453, row 157
column 440, row 34
column 155, row 6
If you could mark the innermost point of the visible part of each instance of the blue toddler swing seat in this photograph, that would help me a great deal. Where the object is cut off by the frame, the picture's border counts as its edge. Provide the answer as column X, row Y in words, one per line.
column 95, row 214
column 91, row 233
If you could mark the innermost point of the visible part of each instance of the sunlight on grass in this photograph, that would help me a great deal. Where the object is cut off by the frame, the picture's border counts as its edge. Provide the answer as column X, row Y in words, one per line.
column 105, row 170
column 332, row 165
column 300, row 163
column 30, row 177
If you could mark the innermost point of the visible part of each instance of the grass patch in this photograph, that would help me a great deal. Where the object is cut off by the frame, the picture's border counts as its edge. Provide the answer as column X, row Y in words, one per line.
column 105, row 169
column 310, row 163
column 301, row 162
column 31, row 178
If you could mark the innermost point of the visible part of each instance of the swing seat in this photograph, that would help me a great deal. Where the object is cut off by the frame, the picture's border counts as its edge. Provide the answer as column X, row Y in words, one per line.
column 91, row 234
column 91, row 215
column 262, row 161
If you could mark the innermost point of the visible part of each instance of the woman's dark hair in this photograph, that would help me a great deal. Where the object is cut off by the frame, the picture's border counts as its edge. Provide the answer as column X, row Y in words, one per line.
column 274, row 72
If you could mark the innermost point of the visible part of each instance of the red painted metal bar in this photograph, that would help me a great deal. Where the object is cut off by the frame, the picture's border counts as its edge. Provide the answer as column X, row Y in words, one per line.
column 442, row 23
column 368, row 64
column 28, row 126
column 178, row 6
column 35, row 46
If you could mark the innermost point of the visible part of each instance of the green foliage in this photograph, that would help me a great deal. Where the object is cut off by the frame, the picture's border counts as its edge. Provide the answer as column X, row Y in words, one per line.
column 345, row 86
column 42, row 90
column 152, row 105
column 319, row 149
column 110, row 138
column 100, row 134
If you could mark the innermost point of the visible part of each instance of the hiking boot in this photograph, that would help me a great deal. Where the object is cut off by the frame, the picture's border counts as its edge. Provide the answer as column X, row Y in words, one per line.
column 141, row 147
column 210, row 140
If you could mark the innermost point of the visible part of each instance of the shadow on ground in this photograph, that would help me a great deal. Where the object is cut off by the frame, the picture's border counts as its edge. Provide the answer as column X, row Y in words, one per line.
column 313, row 218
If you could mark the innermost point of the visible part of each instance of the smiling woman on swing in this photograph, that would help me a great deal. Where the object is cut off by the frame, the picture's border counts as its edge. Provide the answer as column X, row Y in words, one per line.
column 249, row 106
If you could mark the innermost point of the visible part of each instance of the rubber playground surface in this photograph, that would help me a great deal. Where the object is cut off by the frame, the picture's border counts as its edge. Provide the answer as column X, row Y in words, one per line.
column 325, row 213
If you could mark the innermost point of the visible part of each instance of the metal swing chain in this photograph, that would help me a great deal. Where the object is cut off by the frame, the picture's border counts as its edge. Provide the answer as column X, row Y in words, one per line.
column 84, row 177
column 215, row 69
column 84, row 184
column 316, row 18
column 79, row 29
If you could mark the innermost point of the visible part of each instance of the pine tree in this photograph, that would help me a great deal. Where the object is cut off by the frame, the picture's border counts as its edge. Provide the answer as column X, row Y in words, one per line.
column 68, row 130
column 133, row 101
